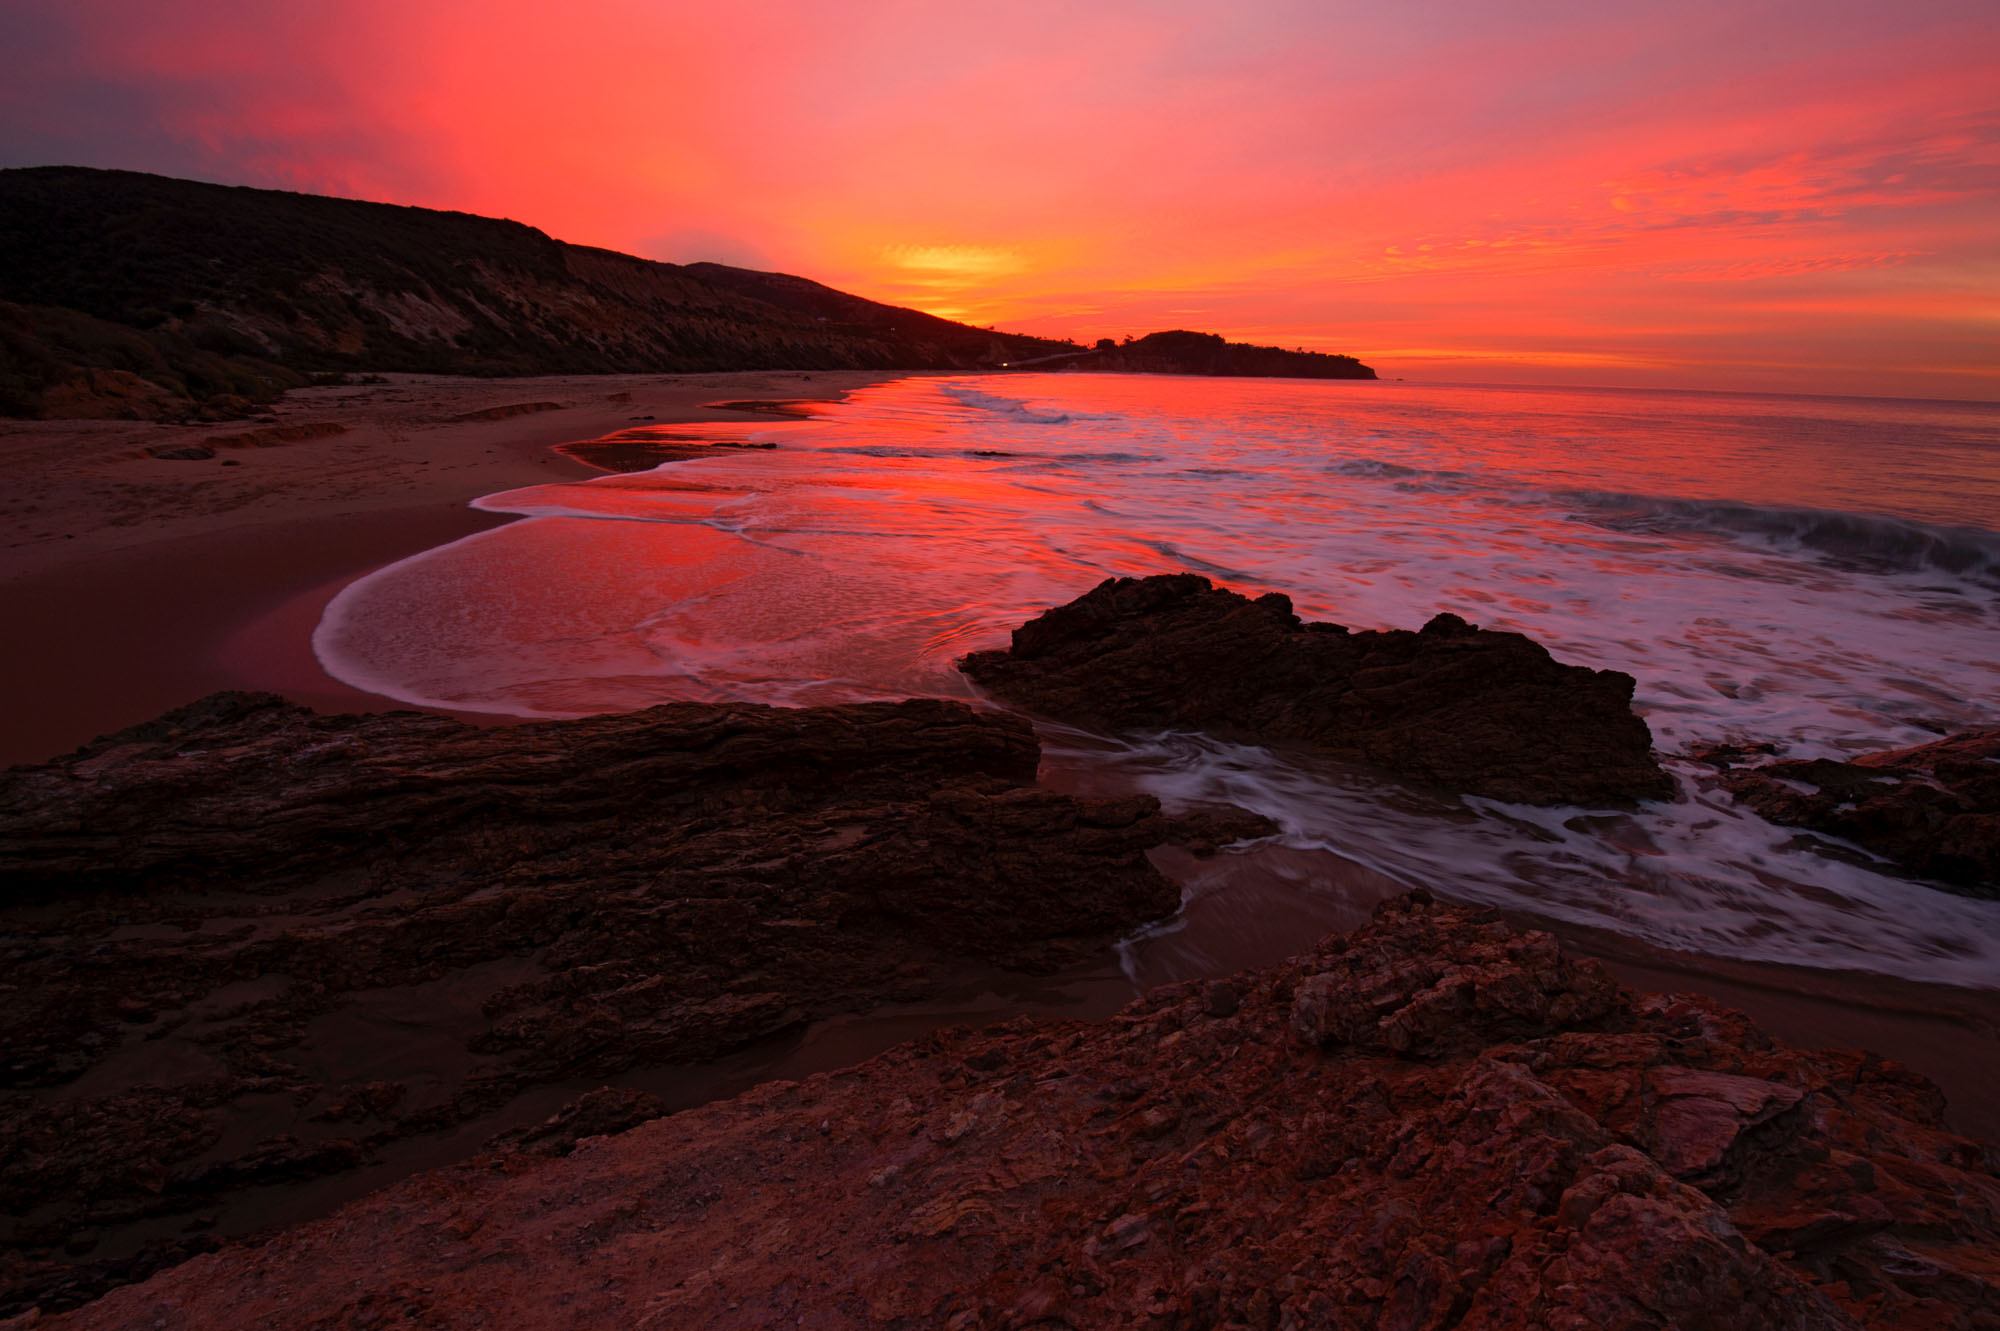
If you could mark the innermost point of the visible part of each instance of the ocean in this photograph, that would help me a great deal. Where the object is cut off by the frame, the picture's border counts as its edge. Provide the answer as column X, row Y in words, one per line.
column 1818, row 573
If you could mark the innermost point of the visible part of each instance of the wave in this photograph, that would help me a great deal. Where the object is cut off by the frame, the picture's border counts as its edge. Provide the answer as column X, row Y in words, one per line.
column 1015, row 409
column 1376, row 469
column 1875, row 543
column 1869, row 542
column 1708, row 877
column 1108, row 455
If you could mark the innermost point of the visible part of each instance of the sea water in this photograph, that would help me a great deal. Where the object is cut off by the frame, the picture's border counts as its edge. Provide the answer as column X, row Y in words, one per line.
column 1822, row 574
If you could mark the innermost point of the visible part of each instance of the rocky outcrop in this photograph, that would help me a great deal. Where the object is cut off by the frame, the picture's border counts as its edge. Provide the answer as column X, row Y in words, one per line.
column 247, row 945
column 507, row 412
column 1180, row 351
column 646, row 447
column 1435, row 1121
column 1453, row 706
column 1933, row 809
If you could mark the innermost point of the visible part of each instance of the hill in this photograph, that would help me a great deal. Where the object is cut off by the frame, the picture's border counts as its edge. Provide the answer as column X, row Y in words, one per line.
column 127, row 293
column 1182, row 352
column 132, row 295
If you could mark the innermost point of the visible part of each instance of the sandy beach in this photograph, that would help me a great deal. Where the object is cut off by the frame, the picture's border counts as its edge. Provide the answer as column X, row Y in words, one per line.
column 132, row 583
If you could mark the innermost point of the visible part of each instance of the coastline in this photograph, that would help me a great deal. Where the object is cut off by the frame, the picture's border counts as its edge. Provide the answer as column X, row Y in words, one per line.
column 134, row 583
column 205, row 578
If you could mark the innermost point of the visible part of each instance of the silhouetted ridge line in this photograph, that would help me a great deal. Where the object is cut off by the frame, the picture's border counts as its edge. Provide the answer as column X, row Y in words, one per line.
column 1178, row 351
column 139, row 296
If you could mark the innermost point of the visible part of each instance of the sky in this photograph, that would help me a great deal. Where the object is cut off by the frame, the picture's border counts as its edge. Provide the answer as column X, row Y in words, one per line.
column 1793, row 197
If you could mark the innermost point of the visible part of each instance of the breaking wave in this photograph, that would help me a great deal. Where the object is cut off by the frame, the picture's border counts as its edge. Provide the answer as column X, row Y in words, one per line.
column 923, row 518
column 1015, row 409
column 1865, row 541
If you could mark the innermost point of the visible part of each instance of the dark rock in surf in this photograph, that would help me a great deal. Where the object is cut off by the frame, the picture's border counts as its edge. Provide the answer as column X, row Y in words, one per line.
column 274, row 942
column 1466, row 709
column 1933, row 809
column 1434, row 1121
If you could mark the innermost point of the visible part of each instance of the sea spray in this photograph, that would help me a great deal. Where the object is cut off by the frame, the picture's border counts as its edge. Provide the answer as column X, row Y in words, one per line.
column 1809, row 573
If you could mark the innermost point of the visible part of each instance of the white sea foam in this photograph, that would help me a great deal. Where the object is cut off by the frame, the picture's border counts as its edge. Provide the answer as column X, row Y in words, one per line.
column 1759, row 567
column 1699, row 875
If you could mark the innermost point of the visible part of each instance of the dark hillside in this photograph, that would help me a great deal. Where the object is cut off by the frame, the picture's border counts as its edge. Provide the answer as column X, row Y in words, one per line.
column 131, row 295
column 1183, row 352
column 857, row 313
column 243, row 292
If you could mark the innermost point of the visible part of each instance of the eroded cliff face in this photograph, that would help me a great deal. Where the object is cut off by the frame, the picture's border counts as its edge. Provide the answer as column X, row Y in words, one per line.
column 1434, row 1121
column 248, row 946
column 1451, row 706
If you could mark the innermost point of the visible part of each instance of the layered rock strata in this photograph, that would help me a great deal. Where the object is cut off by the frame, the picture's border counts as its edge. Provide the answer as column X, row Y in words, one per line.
column 1452, row 706
column 1434, row 1121
column 247, row 945
column 1933, row 809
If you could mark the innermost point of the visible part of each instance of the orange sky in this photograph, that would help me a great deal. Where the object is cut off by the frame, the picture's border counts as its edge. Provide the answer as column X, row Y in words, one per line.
column 1786, row 196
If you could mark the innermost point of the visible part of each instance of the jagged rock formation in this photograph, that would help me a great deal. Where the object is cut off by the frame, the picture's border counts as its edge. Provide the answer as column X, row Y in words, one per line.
column 245, row 944
column 1434, row 1121
column 1453, row 706
column 1933, row 809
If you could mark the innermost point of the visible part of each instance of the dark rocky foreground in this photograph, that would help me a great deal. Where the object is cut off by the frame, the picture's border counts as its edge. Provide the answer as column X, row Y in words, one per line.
column 246, row 945
column 1933, row 809
column 1452, row 706
column 1435, row 1121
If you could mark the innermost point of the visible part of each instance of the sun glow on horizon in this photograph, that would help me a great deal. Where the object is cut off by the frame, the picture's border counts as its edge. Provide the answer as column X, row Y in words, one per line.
column 1796, row 196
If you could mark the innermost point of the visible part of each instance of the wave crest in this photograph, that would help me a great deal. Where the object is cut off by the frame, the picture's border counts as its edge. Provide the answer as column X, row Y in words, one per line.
column 1873, row 542
column 1015, row 409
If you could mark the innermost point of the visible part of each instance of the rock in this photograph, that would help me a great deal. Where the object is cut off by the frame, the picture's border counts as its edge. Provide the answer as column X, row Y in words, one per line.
column 510, row 410
column 181, row 452
column 1453, row 706
column 1933, row 809
column 603, row 1112
column 239, row 790
column 117, row 395
column 1196, row 1163
column 1206, row 831
column 224, row 407
column 1698, row 1115
column 643, row 449
column 246, row 944
column 1429, row 1005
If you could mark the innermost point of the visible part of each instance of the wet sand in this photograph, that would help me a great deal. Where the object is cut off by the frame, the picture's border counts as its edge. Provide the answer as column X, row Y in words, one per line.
column 130, row 584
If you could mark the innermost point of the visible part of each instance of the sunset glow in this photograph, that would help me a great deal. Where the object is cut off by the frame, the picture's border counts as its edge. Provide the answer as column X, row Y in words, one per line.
column 1781, row 196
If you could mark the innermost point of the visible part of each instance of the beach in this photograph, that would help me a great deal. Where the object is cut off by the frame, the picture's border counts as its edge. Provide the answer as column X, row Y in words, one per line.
column 132, row 583
column 136, row 583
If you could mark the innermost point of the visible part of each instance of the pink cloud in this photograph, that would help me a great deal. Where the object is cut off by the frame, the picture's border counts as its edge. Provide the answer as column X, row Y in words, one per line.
column 1536, row 190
